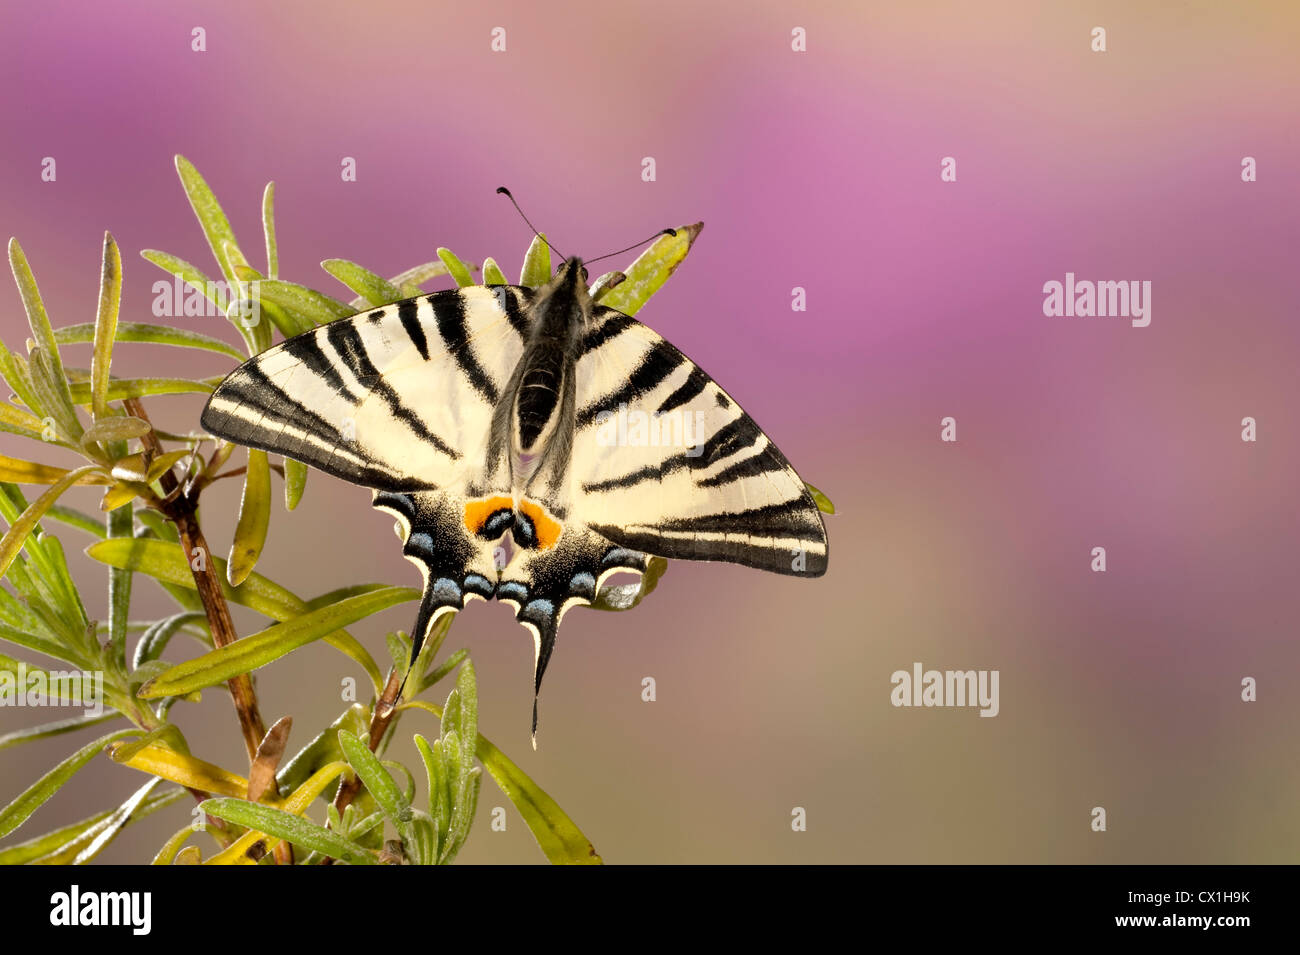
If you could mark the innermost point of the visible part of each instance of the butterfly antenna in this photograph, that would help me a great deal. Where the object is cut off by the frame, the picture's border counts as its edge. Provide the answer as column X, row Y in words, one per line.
column 506, row 192
column 609, row 255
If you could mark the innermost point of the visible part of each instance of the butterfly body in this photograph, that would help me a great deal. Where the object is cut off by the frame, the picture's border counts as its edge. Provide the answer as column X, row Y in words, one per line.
column 494, row 413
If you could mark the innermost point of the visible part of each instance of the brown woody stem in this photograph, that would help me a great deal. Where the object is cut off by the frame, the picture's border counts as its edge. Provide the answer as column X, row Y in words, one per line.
column 180, row 510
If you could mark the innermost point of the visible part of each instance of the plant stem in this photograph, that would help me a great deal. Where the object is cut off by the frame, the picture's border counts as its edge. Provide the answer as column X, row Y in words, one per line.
column 180, row 510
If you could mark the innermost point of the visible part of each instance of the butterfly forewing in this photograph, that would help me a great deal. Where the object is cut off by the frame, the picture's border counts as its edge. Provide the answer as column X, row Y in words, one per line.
column 396, row 398
column 667, row 462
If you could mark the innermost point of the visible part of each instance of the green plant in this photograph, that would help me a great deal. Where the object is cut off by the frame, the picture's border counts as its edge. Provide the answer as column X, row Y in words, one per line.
column 152, row 483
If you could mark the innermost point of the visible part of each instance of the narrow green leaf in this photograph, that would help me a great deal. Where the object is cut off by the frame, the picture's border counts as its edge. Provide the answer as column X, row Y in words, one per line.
column 119, row 524
column 110, row 297
column 51, row 845
column 375, row 289
column 75, row 518
column 57, row 728
column 556, row 834
column 561, row 840
column 146, row 334
column 442, row 669
column 301, row 832
column 268, row 230
column 20, row 422
column 254, row 516
column 16, row 536
column 467, row 721
column 295, row 482
column 650, row 271
column 37, row 318
column 259, row 649
column 458, row 270
column 26, row 638
column 28, row 472
column 379, row 784
column 165, row 462
column 114, row 824
column 823, row 502
column 245, row 311
column 537, row 263
column 436, row 774
column 411, row 280
column 492, row 274
column 167, row 853
column 165, row 736
column 19, row 379
column 115, row 429
column 192, row 276
column 323, row 749
column 302, row 302
column 122, row 388
column 407, row 283
column 121, row 494
column 154, row 640
column 462, row 816
column 17, row 812
column 213, row 221
column 164, row 561
column 52, row 392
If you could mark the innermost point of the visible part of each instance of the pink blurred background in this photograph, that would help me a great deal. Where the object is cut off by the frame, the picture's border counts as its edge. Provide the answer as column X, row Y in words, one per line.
column 821, row 170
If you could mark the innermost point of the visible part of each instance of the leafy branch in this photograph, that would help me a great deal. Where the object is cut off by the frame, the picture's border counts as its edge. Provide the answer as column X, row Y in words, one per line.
column 152, row 482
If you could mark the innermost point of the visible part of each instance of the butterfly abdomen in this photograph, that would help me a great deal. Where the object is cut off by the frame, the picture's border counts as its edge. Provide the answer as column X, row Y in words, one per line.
column 541, row 382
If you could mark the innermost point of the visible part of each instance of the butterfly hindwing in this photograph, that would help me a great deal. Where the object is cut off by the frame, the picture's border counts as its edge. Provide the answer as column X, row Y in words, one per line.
column 457, row 564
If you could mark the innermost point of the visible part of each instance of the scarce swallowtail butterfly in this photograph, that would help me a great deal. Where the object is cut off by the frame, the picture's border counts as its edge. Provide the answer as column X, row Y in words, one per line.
column 488, row 411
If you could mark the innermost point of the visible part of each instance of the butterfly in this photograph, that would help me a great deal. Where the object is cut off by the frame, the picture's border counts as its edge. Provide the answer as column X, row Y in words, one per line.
column 534, row 417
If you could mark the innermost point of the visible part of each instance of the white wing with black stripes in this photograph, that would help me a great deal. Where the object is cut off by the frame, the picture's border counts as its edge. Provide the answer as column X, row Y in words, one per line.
column 398, row 398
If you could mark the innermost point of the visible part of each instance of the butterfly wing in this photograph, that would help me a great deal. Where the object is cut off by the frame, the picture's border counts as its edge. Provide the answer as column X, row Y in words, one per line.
column 399, row 399
column 664, row 461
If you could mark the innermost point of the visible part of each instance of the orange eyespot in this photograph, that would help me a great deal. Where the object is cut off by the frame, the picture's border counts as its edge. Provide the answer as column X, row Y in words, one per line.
column 477, row 512
column 547, row 528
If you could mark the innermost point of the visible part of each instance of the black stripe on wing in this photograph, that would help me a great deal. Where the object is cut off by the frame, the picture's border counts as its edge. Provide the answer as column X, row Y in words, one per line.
column 733, row 438
column 656, row 365
column 449, row 315
column 781, row 538
column 408, row 313
column 615, row 324
column 514, row 300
